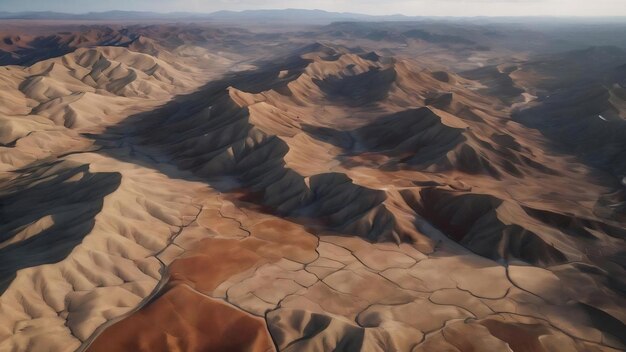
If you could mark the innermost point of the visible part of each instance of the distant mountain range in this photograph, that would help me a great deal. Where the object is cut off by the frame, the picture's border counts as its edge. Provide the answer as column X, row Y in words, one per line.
column 295, row 15
column 299, row 16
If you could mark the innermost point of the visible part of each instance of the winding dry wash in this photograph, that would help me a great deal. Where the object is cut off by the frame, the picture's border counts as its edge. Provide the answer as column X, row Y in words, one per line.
column 238, row 183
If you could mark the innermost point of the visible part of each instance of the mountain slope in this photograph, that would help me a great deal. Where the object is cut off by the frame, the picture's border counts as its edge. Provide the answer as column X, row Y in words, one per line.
column 332, row 198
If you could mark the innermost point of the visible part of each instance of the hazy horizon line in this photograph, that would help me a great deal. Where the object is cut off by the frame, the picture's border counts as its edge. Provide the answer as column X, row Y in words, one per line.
column 309, row 10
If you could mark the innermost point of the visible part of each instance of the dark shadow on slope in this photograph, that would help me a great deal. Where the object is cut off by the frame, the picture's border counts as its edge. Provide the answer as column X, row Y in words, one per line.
column 585, row 123
column 472, row 220
column 498, row 82
column 359, row 89
column 63, row 198
column 336, row 334
column 414, row 137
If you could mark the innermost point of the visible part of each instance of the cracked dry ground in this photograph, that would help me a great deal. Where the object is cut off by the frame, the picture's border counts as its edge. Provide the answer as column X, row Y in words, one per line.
column 319, row 293
column 335, row 201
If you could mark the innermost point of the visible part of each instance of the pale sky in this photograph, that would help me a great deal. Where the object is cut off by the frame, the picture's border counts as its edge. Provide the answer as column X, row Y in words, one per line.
column 374, row 7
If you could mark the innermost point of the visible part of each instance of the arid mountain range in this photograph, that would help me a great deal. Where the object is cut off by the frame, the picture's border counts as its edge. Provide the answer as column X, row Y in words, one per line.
column 425, row 185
